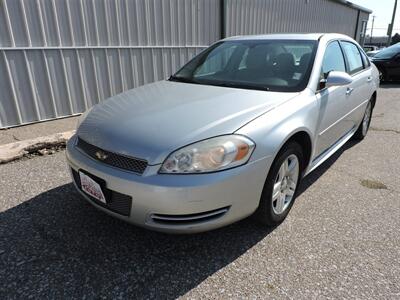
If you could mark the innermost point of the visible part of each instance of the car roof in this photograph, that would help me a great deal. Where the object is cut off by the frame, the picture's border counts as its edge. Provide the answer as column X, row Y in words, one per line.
column 288, row 36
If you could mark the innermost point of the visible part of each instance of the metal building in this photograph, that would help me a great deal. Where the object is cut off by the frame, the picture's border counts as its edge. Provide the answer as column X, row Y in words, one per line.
column 59, row 57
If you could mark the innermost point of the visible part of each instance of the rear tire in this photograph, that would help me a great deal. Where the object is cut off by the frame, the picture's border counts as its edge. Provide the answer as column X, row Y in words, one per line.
column 280, row 188
column 362, row 130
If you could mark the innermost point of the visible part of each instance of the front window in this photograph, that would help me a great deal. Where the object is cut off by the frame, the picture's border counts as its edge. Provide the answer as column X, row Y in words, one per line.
column 333, row 60
column 277, row 65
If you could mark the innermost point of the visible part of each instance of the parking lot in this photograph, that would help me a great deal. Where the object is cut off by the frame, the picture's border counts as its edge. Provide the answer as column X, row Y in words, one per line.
column 341, row 239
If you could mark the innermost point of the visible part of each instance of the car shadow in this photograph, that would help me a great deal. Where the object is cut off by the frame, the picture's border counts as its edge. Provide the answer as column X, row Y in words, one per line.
column 56, row 245
column 317, row 173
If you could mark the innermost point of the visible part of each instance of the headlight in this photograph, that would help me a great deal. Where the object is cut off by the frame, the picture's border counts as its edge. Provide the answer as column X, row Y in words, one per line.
column 210, row 155
column 83, row 117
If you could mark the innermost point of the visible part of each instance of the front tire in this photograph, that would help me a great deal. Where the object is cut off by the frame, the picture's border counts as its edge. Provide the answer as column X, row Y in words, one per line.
column 366, row 121
column 281, row 185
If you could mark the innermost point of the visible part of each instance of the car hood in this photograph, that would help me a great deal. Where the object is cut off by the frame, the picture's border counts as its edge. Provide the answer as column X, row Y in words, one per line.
column 151, row 121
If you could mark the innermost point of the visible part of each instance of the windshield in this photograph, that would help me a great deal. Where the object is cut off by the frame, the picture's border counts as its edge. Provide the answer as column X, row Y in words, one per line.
column 388, row 52
column 276, row 65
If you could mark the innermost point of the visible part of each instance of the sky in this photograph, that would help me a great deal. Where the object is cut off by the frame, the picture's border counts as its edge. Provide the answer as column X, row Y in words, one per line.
column 383, row 10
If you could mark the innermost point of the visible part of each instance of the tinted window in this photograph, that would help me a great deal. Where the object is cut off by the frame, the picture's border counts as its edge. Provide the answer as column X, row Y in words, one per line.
column 388, row 52
column 277, row 65
column 333, row 59
column 353, row 56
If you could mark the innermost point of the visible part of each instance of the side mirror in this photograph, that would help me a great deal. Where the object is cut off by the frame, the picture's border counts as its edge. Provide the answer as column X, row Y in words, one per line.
column 336, row 78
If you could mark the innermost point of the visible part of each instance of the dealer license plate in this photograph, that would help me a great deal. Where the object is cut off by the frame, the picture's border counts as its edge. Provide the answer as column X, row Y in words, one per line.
column 91, row 187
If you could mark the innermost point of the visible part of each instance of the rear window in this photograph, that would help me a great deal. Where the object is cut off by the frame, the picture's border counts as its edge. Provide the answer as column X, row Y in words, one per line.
column 353, row 55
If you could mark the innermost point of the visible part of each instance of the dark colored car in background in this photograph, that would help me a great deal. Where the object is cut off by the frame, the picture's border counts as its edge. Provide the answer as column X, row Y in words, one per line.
column 388, row 63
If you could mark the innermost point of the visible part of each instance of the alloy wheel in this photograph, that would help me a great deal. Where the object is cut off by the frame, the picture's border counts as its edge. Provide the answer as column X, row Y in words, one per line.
column 285, row 184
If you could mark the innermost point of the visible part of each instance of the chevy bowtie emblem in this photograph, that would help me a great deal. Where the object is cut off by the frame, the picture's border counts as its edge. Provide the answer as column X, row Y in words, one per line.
column 101, row 155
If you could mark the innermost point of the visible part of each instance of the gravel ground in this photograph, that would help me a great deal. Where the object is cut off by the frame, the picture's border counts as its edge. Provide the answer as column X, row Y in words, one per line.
column 341, row 239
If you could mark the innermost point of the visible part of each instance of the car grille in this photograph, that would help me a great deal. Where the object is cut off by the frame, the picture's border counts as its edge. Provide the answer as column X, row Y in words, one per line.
column 113, row 159
column 116, row 202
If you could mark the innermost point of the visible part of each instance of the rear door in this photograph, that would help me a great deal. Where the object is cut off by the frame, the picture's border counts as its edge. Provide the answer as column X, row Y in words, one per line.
column 332, row 101
column 361, row 89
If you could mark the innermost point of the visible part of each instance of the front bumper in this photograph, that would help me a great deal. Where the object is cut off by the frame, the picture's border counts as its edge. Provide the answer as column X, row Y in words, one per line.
column 178, row 203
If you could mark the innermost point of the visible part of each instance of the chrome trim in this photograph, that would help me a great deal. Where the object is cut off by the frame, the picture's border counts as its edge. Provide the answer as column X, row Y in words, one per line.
column 194, row 217
column 330, row 151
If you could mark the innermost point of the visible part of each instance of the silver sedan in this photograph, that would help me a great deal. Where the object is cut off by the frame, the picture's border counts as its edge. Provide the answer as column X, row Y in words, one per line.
column 230, row 135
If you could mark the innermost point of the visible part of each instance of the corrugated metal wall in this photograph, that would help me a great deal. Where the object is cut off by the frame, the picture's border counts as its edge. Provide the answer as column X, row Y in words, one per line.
column 267, row 16
column 59, row 57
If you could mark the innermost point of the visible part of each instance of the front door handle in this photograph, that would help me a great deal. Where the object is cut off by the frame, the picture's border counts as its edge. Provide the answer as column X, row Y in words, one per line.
column 349, row 91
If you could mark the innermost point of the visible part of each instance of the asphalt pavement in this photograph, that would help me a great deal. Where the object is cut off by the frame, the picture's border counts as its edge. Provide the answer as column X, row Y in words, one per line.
column 341, row 239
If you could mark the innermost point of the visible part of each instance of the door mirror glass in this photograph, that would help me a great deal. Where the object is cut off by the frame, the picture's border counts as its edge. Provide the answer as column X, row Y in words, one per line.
column 337, row 78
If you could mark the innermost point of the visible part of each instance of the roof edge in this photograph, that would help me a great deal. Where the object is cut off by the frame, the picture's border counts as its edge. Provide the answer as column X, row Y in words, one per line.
column 356, row 6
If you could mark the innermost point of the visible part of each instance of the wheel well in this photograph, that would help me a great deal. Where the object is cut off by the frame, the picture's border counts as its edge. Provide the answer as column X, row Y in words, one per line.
column 373, row 99
column 304, row 140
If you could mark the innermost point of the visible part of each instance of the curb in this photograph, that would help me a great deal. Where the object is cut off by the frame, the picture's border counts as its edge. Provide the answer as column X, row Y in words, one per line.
column 13, row 151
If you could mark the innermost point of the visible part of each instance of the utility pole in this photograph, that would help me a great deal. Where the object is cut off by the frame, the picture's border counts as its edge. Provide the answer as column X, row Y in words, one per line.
column 390, row 31
column 372, row 29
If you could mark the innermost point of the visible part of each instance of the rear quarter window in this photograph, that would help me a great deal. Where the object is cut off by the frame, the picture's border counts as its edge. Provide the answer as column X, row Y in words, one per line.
column 365, row 59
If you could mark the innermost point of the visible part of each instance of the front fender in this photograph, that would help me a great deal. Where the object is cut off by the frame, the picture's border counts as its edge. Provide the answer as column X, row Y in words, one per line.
column 273, row 129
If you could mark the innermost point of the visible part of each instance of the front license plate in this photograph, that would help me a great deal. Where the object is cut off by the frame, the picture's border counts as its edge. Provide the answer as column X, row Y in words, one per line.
column 91, row 187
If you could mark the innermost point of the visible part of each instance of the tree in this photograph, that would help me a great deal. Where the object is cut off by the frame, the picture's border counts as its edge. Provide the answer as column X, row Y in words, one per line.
column 396, row 39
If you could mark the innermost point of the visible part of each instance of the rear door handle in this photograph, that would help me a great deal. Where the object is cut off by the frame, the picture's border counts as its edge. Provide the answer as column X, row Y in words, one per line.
column 369, row 79
column 349, row 91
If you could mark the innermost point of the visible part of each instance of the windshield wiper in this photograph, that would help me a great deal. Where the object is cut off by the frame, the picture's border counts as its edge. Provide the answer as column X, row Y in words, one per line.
column 180, row 79
column 220, row 83
column 240, row 85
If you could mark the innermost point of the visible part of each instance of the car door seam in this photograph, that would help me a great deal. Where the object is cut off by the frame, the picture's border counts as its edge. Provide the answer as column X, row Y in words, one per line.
column 339, row 120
